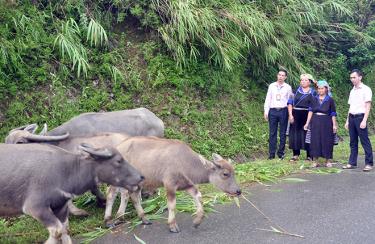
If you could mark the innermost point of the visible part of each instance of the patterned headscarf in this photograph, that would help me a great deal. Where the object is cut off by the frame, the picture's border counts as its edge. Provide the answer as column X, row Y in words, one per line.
column 323, row 83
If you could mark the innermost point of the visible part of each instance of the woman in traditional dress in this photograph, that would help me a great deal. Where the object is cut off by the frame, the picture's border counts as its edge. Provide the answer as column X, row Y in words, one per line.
column 298, row 111
column 322, row 116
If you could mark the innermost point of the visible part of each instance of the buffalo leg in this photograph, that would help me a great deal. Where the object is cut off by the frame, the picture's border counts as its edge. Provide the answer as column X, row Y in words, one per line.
column 196, row 195
column 123, row 202
column 62, row 214
column 100, row 198
column 136, row 198
column 171, row 203
column 76, row 211
column 45, row 215
column 111, row 197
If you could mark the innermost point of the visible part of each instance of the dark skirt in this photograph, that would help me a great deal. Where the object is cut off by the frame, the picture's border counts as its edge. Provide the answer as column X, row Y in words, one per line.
column 297, row 134
column 321, row 136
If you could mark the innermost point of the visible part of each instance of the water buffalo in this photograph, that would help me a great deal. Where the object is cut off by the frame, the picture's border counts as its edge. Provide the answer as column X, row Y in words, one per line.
column 38, row 180
column 134, row 122
column 174, row 165
column 25, row 134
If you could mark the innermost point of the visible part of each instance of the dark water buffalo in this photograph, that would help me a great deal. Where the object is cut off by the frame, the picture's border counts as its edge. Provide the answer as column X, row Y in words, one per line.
column 38, row 180
column 134, row 122
column 25, row 134
column 173, row 165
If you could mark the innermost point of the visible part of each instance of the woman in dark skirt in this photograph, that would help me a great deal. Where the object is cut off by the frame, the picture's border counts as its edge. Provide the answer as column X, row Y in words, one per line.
column 298, row 111
column 322, row 115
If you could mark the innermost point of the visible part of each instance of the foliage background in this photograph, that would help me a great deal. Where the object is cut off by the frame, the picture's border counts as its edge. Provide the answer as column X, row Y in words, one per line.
column 202, row 66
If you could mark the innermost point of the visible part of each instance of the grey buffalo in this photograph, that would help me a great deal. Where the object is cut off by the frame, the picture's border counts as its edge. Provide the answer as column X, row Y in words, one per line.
column 173, row 165
column 133, row 122
column 26, row 134
column 38, row 180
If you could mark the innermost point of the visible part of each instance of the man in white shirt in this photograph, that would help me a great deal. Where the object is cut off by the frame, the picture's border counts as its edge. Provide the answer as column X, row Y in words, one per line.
column 276, row 113
column 356, row 122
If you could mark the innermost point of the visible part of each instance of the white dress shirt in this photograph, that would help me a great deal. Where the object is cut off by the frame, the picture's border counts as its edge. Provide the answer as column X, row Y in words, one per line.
column 358, row 98
column 277, row 96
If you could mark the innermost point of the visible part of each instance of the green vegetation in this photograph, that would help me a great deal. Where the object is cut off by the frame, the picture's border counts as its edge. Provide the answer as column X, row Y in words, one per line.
column 201, row 66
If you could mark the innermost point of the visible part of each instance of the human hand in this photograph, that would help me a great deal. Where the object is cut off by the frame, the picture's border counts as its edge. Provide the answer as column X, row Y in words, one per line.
column 363, row 124
column 305, row 126
column 334, row 129
column 291, row 119
column 347, row 125
column 266, row 116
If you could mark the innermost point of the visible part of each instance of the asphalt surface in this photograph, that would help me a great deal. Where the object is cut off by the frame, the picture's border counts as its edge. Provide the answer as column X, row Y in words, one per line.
column 335, row 208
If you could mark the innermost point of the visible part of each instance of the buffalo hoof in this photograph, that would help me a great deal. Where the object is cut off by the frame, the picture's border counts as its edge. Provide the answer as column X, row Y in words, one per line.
column 146, row 222
column 197, row 221
column 113, row 224
column 174, row 228
column 100, row 203
column 196, row 224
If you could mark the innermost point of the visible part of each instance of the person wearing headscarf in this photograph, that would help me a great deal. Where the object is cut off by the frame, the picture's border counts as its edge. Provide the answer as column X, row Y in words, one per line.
column 323, row 125
column 298, row 110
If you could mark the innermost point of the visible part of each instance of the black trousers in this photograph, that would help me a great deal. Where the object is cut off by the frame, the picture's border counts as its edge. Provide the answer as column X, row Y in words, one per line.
column 277, row 117
column 355, row 131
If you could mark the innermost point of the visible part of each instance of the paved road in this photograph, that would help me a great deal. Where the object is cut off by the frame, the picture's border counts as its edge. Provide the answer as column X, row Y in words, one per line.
column 336, row 208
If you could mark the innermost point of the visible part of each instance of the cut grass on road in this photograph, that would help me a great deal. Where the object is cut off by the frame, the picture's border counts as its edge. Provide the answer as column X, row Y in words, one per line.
column 24, row 229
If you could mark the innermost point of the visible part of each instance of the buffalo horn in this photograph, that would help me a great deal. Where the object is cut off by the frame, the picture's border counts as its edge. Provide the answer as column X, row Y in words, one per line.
column 39, row 138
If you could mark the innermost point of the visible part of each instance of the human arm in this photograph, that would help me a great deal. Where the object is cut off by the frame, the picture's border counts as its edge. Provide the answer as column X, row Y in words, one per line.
column 368, row 97
column 309, row 115
column 290, row 108
column 367, row 112
column 267, row 103
column 347, row 122
column 333, row 115
column 290, row 111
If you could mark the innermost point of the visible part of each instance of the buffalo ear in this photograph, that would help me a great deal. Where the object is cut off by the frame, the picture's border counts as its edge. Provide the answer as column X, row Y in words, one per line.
column 216, row 157
column 31, row 128
column 97, row 153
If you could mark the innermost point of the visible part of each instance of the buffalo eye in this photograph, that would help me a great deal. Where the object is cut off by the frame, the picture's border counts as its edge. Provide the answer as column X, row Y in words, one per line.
column 117, row 163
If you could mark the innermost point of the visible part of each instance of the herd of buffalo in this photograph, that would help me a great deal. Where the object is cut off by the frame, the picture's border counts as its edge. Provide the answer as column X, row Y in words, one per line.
column 42, row 173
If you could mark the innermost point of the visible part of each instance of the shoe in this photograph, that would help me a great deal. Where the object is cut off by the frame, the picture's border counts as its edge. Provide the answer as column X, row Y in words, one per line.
column 271, row 157
column 349, row 166
column 281, row 157
column 329, row 165
column 308, row 159
column 367, row 168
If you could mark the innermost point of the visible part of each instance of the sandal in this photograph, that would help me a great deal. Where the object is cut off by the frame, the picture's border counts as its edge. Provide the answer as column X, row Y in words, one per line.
column 367, row 168
column 314, row 165
column 349, row 166
column 293, row 159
